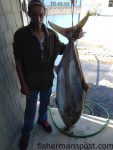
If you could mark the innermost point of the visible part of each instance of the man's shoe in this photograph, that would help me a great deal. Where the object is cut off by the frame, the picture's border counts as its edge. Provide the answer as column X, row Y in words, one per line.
column 23, row 143
column 46, row 126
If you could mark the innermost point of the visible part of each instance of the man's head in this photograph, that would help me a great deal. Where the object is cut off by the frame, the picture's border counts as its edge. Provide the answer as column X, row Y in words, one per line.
column 34, row 3
column 36, row 11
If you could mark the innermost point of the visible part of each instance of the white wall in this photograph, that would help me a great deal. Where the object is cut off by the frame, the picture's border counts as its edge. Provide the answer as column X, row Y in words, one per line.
column 99, row 31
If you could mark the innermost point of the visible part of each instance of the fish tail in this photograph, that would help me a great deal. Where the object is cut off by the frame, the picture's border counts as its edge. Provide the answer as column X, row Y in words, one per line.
column 68, row 32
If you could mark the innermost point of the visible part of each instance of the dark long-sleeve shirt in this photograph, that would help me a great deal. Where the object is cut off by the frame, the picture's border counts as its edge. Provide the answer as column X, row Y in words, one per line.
column 37, row 71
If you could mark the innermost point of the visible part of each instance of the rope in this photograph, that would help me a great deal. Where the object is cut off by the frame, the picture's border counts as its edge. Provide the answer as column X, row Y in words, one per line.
column 72, row 10
column 46, row 17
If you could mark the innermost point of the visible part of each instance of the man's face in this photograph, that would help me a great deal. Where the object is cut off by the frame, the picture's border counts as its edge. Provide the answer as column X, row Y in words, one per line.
column 37, row 14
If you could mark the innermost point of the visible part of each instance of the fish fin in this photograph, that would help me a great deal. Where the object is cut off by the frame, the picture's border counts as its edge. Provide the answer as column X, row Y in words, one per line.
column 68, row 32
column 83, row 21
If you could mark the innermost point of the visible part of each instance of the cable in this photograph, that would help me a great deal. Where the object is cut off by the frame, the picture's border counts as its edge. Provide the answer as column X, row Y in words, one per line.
column 72, row 10
column 46, row 17
column 91, row 110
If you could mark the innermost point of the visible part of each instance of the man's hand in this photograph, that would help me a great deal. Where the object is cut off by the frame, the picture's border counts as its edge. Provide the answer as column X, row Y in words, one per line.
column 25, row 89
column 86, row 87
column 79, row 34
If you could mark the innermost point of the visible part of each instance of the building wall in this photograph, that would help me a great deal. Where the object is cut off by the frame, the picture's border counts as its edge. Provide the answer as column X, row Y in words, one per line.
column 11, row 103
column 101, row 7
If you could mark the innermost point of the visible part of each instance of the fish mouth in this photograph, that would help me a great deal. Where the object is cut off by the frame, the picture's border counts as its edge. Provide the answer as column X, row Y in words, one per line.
column 71, row 31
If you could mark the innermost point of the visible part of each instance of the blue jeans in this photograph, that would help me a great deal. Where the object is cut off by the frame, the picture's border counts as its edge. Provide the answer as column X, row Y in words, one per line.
column 31, row 104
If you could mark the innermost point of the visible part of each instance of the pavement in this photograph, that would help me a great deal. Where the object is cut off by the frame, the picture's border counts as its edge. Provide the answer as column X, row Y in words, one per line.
column 40, row 140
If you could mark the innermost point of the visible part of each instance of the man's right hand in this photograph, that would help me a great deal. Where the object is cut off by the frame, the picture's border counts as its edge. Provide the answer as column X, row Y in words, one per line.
column 25, row 89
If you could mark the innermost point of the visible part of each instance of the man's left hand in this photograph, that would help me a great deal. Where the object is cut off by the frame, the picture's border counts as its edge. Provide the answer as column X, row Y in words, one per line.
column 79, row 34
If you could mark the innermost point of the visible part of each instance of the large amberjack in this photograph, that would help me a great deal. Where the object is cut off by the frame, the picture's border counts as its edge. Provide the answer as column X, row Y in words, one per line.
column 70, row 92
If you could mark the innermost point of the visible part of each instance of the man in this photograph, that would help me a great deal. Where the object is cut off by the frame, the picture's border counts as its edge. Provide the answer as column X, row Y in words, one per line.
column 35, row 50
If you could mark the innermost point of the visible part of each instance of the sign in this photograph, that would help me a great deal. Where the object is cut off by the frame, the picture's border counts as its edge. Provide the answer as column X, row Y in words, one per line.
column 61, row 3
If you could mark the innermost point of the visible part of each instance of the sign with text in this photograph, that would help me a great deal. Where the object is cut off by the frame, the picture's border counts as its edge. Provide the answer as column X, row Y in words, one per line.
column 61, row 3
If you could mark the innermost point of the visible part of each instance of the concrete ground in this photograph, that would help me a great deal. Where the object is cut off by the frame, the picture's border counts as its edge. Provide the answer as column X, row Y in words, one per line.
column 40, row 140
